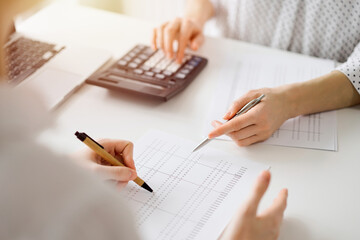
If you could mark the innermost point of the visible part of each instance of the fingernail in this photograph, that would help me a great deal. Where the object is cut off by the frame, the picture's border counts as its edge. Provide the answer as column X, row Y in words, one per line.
column 226, row 116
column 215, row 124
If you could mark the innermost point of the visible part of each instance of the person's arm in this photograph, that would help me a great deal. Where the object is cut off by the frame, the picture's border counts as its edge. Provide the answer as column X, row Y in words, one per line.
column 187, row 31
column 328, row 92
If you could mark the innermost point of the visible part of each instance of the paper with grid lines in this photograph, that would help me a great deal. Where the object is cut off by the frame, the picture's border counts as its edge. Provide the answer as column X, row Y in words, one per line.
column 195, row 194
column 246, row 72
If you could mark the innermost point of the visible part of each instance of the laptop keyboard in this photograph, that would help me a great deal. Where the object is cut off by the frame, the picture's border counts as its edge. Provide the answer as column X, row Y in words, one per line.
column 24, row 56
column 148, row 72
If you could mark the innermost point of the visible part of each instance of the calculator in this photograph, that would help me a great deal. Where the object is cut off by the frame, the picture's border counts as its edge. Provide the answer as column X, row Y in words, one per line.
column 149, row 72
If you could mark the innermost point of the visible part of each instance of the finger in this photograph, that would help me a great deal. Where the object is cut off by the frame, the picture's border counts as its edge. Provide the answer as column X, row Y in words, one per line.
column 244, row 133
column 185, row 33
column 170, row 33
column 123, row 174
column 197, row 41
column 235, row 124
column 248, row 141
column 216, row 124
column 127, row 154
column 120, row 147
column 121, row 185
column 279, row 205
column 153, row 40
column 239, row 103
column 160, row 35
column 258, row 191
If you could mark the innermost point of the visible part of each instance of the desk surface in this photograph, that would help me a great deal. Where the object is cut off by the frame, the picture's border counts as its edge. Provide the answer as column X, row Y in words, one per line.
column 323, row 193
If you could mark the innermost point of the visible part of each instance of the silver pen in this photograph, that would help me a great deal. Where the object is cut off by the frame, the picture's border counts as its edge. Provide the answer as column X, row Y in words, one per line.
column 243, row 110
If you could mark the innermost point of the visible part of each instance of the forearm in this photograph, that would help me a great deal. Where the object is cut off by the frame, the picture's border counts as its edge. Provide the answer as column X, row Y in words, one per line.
column 328, row 92
column 199, row 10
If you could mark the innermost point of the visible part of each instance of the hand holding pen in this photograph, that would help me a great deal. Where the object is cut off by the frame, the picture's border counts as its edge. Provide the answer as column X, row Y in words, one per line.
column 258, row 123
column 111, row 159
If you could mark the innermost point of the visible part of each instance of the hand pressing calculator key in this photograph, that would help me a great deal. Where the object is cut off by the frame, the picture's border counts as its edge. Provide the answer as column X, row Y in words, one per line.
column 148, row 72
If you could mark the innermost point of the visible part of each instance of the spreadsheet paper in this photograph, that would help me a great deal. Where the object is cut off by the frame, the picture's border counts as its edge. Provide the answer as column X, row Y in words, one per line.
column 195, row 194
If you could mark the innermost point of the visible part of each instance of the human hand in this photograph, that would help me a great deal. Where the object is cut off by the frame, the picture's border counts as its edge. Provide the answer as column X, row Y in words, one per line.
column 121, row 150
column 185, row 31
column 260, row 122
column 248, row 225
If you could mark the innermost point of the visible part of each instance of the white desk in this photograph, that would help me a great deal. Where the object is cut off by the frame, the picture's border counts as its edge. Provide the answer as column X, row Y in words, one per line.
column 323, row 187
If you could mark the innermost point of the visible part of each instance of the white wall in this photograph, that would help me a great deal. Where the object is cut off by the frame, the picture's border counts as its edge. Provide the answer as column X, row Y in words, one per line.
column 153, row 10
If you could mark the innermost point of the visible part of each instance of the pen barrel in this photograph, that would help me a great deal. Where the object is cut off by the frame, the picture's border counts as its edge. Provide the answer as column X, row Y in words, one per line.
column 102, row 153
column 139, row 181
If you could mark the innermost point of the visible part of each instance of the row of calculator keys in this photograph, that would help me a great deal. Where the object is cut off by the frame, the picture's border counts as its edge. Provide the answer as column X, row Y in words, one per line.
column 147, row 63
column 181, row 74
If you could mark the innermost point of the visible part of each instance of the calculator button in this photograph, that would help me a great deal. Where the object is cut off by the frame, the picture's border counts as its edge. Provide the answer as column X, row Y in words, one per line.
column 132, row 54
column 173, row 67
column 136, row 50
column 143, row 56
column 187, row 57
column 145, row 67
column 156, row 70
column 167, row 73
column 148, row 51
column 185, row 71
column 133, row 65
column 194, row 63
column 150, row 74
column 197, row 59
column 164, row 62
column 188, row 66
column 127, row 58
column 160, row 76
column 137, row 60
column 138, row 71
column 180, row 75
column 172, row 81
column 122, row 63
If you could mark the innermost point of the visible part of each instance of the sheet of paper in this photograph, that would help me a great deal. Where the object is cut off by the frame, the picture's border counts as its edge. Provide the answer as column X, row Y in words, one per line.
column 241, row 74
column 195, row 194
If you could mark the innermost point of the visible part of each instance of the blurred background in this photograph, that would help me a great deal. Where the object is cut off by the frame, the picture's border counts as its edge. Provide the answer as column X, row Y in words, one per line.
column 156, row 11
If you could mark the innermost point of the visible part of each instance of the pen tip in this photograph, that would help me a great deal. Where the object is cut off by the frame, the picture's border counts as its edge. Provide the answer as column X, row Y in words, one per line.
column 146, row 187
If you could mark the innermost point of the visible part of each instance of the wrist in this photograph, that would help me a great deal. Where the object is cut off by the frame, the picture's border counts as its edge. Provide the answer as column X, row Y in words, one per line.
column 289, row 94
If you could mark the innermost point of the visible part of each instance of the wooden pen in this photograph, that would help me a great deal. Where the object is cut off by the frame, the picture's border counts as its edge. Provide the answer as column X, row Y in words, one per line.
column 97, row 148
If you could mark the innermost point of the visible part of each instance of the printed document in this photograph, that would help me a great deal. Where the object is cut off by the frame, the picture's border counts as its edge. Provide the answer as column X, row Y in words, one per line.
column 195, row 194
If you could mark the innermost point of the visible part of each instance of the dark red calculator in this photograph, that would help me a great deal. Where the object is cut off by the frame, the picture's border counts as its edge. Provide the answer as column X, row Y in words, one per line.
column 145, row 71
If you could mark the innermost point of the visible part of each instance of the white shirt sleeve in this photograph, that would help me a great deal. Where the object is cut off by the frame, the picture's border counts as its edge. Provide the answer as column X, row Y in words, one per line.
column 351, row 68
